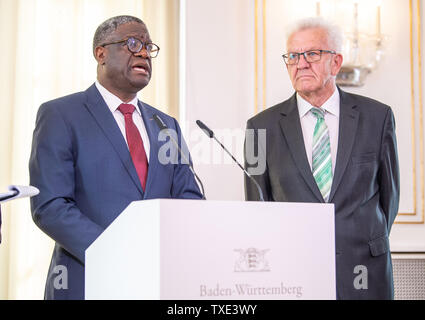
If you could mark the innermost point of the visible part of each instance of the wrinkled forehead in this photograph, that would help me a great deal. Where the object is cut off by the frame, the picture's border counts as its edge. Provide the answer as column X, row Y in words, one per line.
column 308, row 39
column 131, row 29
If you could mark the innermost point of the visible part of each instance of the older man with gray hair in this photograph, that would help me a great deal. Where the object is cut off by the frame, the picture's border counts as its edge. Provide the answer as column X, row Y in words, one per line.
column 94, row 152
column 329, row 146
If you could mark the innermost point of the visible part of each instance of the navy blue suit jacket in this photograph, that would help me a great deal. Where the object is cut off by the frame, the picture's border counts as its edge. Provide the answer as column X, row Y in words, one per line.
column 81, row 164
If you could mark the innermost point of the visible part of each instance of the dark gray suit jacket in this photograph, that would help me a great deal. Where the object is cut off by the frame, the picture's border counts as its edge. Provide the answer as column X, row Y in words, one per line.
column 365, row 188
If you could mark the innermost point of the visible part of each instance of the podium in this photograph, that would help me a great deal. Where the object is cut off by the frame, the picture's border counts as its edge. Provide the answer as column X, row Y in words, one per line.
column 227, row 250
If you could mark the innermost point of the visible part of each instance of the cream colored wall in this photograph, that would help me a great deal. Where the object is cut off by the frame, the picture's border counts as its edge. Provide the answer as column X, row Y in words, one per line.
column 7, row 22
column 219, row 88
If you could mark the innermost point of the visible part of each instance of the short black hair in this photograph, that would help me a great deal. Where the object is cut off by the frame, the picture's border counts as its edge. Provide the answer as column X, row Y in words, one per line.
column 109, row 26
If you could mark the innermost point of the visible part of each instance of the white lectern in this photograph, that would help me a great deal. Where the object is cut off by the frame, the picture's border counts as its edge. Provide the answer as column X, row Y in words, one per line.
column 194, row 249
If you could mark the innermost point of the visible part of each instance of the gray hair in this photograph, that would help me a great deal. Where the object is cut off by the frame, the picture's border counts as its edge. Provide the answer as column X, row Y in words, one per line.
column 333, row 32
column 107, row 27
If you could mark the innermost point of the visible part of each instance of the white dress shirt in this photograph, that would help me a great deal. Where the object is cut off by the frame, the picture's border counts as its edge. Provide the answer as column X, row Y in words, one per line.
column 113, row 102
column 308, row 122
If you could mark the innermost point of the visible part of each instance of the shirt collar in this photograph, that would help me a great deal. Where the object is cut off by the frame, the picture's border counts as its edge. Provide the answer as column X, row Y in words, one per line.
column 112, row 101
column 331, row 105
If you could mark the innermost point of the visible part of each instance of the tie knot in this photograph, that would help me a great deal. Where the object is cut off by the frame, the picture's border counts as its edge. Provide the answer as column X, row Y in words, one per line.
column 318, row 113
column 125, row 108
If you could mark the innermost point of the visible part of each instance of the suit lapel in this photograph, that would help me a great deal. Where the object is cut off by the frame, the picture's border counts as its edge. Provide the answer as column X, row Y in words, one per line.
column 104, row 118
column 347, row 132
column 153, row 132
column 291, row 128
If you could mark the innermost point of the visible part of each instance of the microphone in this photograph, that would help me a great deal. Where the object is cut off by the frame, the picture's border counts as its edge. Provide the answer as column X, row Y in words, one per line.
column 16, row 192
column 162, row 126
column 210, row 134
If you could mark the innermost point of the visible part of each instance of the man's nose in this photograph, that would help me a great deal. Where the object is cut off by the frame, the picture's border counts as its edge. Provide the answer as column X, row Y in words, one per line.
column 143, row 53
column 302, row 62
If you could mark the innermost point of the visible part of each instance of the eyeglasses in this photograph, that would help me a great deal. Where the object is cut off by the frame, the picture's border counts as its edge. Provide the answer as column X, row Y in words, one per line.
column 310, row 56
column 135, row 45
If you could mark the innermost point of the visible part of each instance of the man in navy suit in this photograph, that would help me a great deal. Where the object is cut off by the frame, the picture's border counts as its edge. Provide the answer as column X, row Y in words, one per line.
column 94, row 152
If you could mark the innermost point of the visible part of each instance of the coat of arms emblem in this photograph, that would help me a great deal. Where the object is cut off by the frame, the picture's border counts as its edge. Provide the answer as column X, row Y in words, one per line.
column 251, row 260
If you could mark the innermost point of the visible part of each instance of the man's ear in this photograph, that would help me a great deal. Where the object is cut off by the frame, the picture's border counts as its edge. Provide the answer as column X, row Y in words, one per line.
column 100, row 55
column 337, row 63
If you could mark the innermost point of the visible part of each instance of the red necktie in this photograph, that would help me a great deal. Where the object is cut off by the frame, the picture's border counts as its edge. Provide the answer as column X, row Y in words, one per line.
column 135, row 143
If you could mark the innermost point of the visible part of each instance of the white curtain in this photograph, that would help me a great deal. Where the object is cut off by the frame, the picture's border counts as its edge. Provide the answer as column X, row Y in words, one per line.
column 46, row 50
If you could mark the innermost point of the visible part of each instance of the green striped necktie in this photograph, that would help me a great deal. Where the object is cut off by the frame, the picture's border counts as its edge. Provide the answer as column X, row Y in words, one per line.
column 322, row 160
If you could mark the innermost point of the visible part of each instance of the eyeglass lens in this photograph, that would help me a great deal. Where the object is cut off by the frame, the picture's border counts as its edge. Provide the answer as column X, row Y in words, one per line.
column 135, row 45
column 310, row 56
